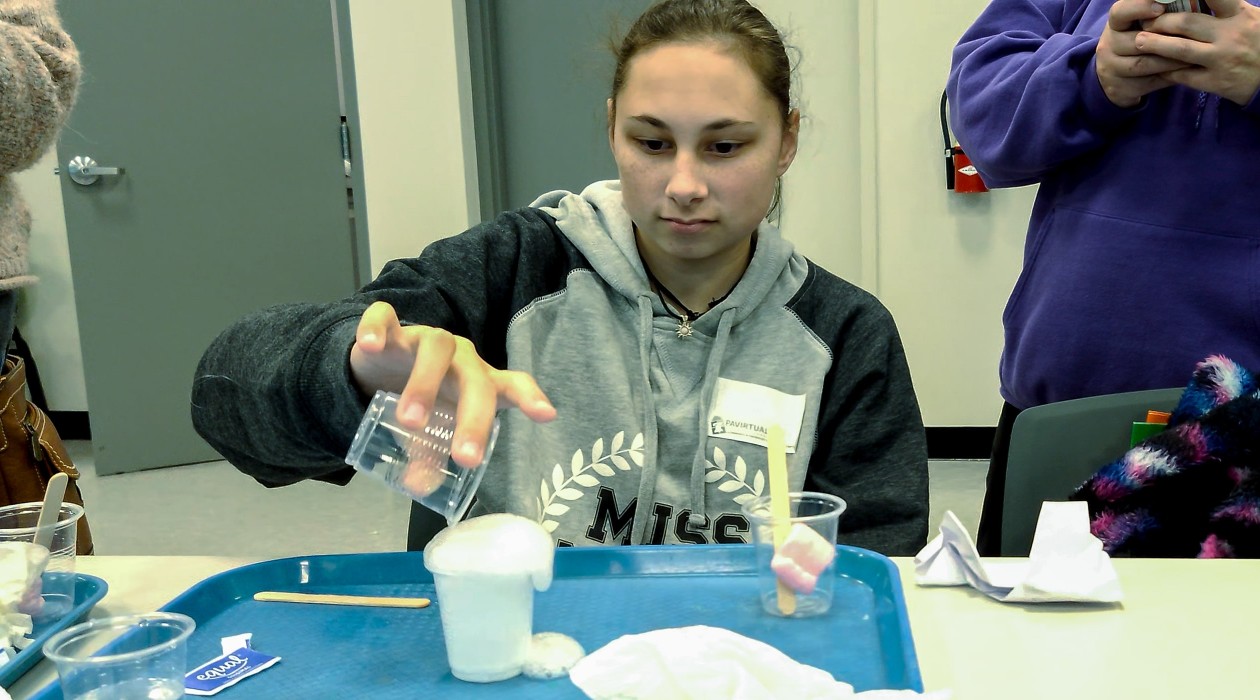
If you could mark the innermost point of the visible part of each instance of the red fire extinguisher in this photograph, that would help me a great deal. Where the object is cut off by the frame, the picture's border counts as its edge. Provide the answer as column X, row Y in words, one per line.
column 960, row 175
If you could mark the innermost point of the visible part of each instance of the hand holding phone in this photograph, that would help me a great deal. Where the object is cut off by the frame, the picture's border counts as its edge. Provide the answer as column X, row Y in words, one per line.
column 1185, row 6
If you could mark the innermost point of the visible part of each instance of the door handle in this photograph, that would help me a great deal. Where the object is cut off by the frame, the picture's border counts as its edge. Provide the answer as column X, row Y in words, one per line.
column 85, row 171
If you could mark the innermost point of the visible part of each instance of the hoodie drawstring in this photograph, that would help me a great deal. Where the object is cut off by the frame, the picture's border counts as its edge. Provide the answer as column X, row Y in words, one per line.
column 1216, row 112
column 647, row 479
column 711, row 371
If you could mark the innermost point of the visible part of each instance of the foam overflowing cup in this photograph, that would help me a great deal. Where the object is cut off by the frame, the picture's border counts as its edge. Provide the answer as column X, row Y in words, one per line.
column 485, row 571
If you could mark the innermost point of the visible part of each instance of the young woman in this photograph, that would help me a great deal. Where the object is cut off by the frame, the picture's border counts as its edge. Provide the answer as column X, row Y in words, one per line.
column 645, row 332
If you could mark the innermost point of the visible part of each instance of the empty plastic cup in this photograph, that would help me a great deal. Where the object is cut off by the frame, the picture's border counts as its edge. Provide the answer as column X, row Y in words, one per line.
column 17, row 524
column 123, row 658
column 803, row 565
column 417, row 464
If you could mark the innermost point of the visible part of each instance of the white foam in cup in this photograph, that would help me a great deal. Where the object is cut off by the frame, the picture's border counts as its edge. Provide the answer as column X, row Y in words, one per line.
column 486, row 570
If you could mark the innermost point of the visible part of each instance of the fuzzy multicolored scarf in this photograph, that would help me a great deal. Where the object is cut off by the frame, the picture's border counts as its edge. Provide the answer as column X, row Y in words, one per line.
column 1194, row 489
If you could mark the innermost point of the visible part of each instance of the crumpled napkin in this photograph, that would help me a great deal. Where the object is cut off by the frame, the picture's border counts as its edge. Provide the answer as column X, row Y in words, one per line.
column 703, row 663
column 1066, row 562
column 21, row 566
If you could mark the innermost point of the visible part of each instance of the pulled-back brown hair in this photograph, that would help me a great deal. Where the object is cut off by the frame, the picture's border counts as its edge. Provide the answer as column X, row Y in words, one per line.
column 735, row 22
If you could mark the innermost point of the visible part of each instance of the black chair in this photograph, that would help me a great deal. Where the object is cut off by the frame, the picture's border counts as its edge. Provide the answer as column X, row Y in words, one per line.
column 1056, row 447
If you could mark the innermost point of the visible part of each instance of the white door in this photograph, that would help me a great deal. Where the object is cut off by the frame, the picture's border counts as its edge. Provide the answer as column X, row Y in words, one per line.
column 224, row 117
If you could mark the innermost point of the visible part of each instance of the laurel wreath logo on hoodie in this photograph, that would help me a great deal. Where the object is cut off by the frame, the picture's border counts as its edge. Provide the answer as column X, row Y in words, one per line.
column 554, row 492
column 736, row 479
column 552, row 503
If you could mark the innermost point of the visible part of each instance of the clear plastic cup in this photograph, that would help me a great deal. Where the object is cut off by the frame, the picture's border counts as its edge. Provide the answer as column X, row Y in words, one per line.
column 17, row 524
column 806, row 566
column 123, row 658
column 417, row 464
column 485, row 571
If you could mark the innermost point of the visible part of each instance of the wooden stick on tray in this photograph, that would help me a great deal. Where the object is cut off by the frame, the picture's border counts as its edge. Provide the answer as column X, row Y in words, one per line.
column 333, row 599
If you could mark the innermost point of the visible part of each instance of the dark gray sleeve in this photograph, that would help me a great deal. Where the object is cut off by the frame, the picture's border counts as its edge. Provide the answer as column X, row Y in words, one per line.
column 872, row 449
column 273, row 393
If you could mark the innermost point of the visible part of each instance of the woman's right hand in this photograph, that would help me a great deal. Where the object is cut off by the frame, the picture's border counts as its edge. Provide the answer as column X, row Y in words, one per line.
column 1126, row 73
column 421, row 363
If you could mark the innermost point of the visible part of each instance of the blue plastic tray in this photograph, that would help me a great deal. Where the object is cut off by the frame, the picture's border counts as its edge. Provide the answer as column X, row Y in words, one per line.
column 87, row 591
column 599, row 594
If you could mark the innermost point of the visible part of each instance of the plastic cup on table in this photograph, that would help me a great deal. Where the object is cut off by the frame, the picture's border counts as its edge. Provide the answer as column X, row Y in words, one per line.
column 806, row 561
column 417, row 464
column 123, row 658
column 18, row 524
column 485, row 571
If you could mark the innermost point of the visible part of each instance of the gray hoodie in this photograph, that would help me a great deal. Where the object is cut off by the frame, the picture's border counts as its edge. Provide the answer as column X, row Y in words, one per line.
column 658, row 438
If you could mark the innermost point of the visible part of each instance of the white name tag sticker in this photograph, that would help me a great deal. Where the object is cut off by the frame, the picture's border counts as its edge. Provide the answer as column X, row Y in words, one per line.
column 744, row 412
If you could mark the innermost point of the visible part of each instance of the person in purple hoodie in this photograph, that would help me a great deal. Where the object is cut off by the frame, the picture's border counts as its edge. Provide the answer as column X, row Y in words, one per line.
column 1142, row 127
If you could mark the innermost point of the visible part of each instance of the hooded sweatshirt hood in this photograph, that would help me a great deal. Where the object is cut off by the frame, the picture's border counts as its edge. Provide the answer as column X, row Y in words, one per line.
column 669, row 381
column 597, row 223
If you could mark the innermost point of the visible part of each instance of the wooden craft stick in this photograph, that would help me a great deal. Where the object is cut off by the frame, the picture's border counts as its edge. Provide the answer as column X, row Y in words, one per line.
column 780, row 508
column 333, row 599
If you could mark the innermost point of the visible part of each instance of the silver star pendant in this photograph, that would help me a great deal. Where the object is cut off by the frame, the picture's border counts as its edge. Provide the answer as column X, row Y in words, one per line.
column 684, row 328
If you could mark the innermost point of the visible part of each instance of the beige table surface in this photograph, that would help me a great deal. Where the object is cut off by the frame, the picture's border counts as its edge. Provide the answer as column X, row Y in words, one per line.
column 1187, row 629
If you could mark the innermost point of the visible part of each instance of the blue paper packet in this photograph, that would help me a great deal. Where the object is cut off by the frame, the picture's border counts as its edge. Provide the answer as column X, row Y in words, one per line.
column 226, row 670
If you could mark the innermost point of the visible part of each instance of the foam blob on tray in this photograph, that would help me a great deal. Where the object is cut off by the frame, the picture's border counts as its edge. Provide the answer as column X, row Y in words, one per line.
column 551, row 655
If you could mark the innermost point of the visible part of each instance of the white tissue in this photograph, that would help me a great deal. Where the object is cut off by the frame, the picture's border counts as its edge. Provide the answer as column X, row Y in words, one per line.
column 21, row 566
column 1066, row 563
column 708, row 662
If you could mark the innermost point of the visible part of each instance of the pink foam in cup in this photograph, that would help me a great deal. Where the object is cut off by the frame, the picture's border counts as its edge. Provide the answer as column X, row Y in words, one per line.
column 803, row 556
column 804, row 561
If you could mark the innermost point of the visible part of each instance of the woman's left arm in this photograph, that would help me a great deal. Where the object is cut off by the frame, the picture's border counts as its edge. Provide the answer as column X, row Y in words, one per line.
column 872, row 449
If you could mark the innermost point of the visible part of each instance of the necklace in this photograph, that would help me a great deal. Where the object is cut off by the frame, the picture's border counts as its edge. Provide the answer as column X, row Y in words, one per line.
column 684, row 316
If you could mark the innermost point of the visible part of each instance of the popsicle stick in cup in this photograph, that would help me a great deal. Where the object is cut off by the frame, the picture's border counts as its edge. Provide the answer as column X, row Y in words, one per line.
column 46, row 524
column 780, row 508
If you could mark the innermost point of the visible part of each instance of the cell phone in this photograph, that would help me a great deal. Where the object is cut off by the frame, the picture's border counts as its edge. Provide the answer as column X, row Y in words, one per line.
column 1185, row 6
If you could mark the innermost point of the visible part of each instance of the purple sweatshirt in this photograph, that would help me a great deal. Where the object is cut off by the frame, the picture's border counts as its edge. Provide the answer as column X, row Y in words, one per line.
column 1143, row 249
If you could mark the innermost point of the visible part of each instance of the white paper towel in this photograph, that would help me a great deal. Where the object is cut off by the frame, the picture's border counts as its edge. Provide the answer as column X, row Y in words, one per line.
column 21, row 566
column 1066, row 563
column 703, row 663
